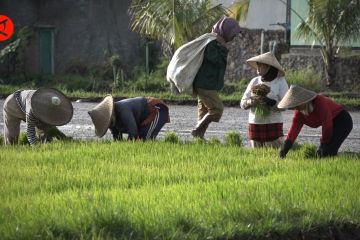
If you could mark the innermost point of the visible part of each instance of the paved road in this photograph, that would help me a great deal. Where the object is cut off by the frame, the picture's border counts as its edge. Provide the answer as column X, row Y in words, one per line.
column 183, row 119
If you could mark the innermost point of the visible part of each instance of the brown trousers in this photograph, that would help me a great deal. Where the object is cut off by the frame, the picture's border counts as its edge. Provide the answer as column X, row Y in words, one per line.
column 12, row 118
column 209, row 102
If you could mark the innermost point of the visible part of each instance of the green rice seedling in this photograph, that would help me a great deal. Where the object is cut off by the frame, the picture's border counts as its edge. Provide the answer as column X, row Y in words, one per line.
column 199, row 141
column 213, row 141
column 233, row 139
column 23, row 139
column 171, row 137
column 262, row 110
column 308, row 151
column 155, row 189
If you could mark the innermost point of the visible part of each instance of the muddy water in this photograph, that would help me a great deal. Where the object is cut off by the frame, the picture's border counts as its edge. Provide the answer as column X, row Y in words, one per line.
column 183, row 119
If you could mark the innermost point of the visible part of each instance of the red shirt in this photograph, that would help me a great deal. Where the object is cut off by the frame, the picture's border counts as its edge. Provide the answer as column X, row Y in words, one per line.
column 325, row 110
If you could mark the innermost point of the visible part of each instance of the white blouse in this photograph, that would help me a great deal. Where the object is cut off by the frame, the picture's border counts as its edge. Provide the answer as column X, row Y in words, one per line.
column 278, row 88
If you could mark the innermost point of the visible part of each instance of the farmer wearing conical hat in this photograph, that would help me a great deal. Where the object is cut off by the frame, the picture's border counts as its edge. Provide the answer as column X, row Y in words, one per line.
column 139, row 117
column 265, row 123
column 314, row 111
column 41, row 109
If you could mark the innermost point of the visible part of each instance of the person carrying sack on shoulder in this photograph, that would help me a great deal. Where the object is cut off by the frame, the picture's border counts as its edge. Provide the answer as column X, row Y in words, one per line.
column 42, row 110
column 210, row 77
column 140, row 118
column 315, row 110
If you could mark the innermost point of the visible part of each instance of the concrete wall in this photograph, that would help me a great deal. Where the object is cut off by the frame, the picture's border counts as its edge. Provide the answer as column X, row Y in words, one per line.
column 347, row 67
column 247, row 45
column 84, row 30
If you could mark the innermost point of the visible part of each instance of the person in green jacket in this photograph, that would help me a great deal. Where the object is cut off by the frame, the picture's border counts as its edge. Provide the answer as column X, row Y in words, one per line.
column 210, row 77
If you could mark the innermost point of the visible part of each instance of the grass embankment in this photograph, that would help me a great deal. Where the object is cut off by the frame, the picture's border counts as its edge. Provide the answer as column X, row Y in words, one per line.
column 160, row 190
column 350, row 102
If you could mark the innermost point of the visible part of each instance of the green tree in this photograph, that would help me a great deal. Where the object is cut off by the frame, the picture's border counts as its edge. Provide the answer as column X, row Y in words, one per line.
column 174, row 22
column 332, row 23
column 239, row 9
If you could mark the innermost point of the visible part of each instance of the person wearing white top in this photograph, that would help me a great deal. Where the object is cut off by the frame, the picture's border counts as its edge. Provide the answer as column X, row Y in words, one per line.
column 265, row 124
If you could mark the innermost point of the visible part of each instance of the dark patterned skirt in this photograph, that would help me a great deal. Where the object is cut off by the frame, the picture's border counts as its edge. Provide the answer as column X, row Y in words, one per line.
column 265, row 132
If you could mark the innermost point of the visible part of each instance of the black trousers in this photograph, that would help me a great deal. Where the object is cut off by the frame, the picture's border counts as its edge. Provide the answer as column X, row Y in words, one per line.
column 342, row 126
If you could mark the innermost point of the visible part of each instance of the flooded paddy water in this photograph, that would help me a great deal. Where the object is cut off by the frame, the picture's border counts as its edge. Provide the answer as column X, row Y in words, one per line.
column 183, row 119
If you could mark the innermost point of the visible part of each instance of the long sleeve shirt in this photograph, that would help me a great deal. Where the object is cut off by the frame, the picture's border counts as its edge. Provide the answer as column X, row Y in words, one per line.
column 23, row 99
column 129, row 114
column 278, row 88
column 325, row 110
column 212, row 70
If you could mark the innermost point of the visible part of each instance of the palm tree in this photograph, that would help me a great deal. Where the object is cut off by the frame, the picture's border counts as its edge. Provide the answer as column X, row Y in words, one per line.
column 332, row 23
column 239, row 9
column 175, row 22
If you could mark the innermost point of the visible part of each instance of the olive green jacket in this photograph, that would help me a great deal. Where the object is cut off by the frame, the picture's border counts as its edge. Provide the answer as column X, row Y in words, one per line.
column 211, row 73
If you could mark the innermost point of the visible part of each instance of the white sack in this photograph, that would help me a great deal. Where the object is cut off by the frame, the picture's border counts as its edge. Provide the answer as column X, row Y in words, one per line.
column 186, row 62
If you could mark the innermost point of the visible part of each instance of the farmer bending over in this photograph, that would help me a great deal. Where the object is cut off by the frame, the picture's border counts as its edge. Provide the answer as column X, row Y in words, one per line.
column 139, row 117
column 41, row 109
column 316, row 110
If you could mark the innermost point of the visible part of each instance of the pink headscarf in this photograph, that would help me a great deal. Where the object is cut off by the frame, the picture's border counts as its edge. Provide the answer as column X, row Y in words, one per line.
column 227, row 28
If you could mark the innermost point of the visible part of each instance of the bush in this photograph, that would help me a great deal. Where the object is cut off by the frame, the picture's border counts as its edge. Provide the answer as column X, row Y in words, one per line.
column 171, row 137
column 233, row 139
column 1, row 140
column 154, row 82
column 232, row 87
column 307, row 78
column 72, row 82
column 149, row 84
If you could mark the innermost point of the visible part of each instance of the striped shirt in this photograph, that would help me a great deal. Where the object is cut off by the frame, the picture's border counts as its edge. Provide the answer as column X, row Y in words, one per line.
column 23, row 98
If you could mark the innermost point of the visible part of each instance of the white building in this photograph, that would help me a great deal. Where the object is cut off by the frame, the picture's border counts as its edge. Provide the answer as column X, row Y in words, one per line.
column 262, row 13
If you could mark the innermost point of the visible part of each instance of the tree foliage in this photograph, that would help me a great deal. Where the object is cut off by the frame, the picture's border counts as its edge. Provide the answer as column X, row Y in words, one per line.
column 332, row 23
column 239, row 9
column 174, row 22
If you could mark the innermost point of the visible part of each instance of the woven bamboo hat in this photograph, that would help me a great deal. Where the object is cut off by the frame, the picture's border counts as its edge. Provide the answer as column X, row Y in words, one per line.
column 267, row 58
column 51, row 106
column 296, row 96
column 101, row 115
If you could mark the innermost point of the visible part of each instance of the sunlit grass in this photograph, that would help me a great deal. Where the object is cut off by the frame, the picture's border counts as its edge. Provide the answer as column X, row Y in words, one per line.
column 170, row 190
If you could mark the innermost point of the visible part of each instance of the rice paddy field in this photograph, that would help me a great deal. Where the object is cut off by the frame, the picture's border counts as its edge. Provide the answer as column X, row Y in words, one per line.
column 164, row 190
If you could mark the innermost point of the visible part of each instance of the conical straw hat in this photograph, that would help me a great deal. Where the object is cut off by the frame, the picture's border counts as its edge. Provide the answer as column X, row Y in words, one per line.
column 296, row 96
column 267, row 58
column 51, row 106
column 101, row 115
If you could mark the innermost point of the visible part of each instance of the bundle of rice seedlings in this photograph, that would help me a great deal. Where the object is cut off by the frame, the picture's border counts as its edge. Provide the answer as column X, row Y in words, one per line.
column 214, row 141
column 23, row 139
column 262, row 110
column 260, row 90
column 308, row 150
column 171, row 137
column 233, row 139
column 258, row 93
